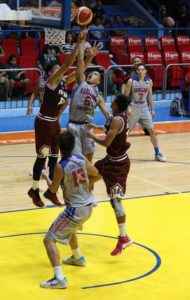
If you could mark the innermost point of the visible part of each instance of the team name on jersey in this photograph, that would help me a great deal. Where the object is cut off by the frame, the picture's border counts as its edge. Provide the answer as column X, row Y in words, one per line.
column 140, row 90
column 88, row 92
column 63, row 97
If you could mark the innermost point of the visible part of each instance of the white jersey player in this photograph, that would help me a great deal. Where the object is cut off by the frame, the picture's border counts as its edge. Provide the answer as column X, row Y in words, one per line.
column 140, row 89
column 71, row 174
column 84, row 101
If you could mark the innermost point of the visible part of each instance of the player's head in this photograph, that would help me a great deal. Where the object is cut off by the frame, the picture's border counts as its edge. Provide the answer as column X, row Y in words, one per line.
column 51, row 68
column 66, row 143
column 94, row 78
column 120, row 104
column 141, row 70
column 136, row 61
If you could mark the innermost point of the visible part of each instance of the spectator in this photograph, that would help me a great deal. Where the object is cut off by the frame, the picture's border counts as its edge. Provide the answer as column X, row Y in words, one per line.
column 98, row 10
column 117, row 23
column 16, row 76
column 4, row 83
column 96, row 34
column 183, row 19
column 69, row 43
column 49, row 55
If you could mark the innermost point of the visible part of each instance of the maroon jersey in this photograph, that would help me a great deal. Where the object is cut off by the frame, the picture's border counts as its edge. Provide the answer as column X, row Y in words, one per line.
column 119, row 145
column 53, row 101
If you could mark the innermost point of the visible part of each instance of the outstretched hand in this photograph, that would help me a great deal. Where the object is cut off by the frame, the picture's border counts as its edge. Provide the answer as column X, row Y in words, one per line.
column 95, row 49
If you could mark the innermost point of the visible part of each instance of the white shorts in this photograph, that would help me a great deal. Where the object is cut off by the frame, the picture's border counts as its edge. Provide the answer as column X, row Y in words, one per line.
column 68, row 222
column 83, row 144
column 142, row 116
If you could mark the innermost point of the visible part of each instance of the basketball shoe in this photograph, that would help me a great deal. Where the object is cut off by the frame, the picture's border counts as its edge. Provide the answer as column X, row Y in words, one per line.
column 35, row 195
column 54, row 283
column 160, row 157
column 123, row 242
column 73, row 261
column 52, row 197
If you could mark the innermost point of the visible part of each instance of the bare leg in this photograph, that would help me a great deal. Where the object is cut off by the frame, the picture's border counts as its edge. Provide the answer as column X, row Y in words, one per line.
column 153, row 137
column 73, row 242
column 52, row 252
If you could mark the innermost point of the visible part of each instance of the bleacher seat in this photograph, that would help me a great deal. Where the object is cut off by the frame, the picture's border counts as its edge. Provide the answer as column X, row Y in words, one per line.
column 155, row 72
column 30, row 62
column 10, row 47
column 103, row 59
column 28, row 47
column 133, row 54
column 151, row 43
column 167, row 43
column 134, row 43
column 185, row 58
column 183, row 43
column 117, row 43
column 41, row 45
column 175, row 73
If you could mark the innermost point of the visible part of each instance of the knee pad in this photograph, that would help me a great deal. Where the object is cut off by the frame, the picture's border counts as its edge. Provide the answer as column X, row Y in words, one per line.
column 118, row 207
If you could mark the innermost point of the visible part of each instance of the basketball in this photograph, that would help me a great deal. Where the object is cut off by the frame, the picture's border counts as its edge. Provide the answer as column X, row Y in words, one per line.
column 84, row 16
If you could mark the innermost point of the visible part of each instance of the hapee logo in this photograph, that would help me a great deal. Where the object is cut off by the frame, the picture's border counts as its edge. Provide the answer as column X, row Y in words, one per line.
column 134, row 41
column 118, row 41
column 167, row 40
column 186, row 55
column 152, row 41
column 154, row 55
column 171, row 55
column 184, row 40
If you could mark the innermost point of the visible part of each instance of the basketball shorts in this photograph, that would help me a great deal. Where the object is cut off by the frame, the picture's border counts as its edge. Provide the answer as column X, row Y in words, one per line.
column 142, row 116
column 83, row 144
column 114, row 174
column 68, row 222
column 46, row 137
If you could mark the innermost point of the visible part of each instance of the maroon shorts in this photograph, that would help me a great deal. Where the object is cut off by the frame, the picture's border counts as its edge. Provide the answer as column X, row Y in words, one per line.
column 47, row 135
column 114, row 174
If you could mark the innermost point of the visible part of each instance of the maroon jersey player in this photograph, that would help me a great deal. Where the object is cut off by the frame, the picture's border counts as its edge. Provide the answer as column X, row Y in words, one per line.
column 114, row 168
column 47, row 127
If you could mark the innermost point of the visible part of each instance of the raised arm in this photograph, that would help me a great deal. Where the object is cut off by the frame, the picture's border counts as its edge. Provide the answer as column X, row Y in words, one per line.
column 103, row 107
column 92, row 53
column 52, row 80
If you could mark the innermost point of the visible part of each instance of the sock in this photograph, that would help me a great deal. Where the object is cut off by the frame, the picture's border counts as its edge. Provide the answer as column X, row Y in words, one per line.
column 51, row 164
column 76, row 253
column 35, row 184
column 157, row 151
column 122, row 229
column 58, row 272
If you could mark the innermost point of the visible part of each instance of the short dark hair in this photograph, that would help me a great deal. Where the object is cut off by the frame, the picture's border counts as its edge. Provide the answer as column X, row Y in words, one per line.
column 48, row 68
column 11, row 57
column 123, row 102
column 141, row 65
column 66, row 143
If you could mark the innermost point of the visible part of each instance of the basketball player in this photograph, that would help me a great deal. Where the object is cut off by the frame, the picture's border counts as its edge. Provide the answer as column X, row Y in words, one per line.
column 47, row 127
column 137, row 60
column 71, row 173
column 140, row 89
column 114, row 168
column 84, row 101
